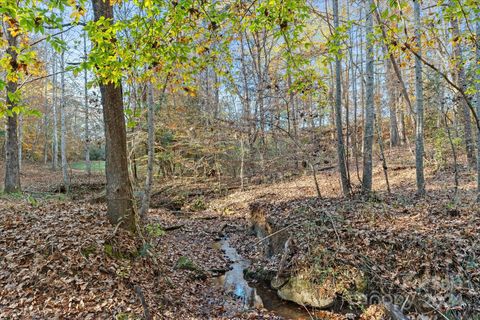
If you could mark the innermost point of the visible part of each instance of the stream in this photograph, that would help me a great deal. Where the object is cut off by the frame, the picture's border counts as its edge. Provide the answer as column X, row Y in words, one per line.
column 253, row 295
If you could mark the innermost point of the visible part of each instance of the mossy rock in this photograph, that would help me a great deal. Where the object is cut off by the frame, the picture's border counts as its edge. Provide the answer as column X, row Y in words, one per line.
column 302, row 291
column 320, row 292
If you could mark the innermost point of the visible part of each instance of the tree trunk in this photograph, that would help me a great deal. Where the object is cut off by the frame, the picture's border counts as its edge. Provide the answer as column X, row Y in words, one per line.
column 54, row 115
column 20, row 141
column 45, row 123
column 369, row 107
column 88, row 164
column 462, row 83
column 419, row 149
column 477, row 86
column 120, row 206
column 151, row 150
column 392, row 106
column 345, row 183
column 63, row 126
column 12, row 165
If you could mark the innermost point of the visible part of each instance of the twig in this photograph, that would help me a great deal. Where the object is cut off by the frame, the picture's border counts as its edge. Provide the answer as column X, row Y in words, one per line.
column 272, row 234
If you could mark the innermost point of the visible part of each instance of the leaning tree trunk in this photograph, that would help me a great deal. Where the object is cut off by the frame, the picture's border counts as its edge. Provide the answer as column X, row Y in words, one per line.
column 342, row 168
column 419, row 149
column 12, row 164
column 120, row 206
column 369, row 107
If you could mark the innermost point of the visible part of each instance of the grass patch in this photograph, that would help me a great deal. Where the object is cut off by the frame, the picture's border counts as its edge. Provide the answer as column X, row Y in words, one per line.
column 97, row 166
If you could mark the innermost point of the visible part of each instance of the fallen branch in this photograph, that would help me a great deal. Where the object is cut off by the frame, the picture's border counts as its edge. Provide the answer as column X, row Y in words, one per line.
column 175, row 227
column 141, row 297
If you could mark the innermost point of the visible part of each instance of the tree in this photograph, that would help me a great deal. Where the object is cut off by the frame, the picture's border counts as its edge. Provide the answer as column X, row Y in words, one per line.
column 63, row 126
column 12, row 165
column 462, row 83
column 54, row 114
column 370, row 107
column 120, row 207
column 88, row 164
column 338, row 108
column 419, row 148
column 477, row 95
column 151, row 151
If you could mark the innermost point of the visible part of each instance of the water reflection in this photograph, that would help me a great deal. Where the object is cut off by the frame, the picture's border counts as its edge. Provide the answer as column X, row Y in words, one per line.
column 258, row 296
column 233, row 281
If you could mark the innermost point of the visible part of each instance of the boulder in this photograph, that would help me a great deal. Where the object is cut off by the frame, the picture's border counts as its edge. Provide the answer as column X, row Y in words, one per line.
column 302, row 291
column 305, row 289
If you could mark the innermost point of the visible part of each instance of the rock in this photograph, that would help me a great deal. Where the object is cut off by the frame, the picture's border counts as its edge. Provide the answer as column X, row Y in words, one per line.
column 278, row 282
column 375, row 312
column 395, row 312
column 306, row 289
column 302, row 291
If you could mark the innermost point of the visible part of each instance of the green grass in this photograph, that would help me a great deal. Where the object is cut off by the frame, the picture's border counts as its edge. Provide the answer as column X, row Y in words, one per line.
column 97, row 166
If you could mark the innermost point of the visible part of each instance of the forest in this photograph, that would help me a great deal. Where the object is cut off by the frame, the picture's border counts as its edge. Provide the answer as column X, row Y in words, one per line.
column 240, row 159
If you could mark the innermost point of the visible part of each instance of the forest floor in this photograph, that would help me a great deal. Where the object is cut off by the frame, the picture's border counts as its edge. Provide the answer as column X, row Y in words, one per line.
column 60, row 258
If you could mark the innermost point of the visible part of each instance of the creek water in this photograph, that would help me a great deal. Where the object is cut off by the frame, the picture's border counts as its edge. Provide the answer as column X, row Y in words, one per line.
column 253, row 295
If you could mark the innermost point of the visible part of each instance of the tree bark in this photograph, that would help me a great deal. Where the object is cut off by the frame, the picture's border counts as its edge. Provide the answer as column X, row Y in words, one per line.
column 369, row 107
column 477, row 95
column 345, row 183
column 462, row 83
column 392, row 106
column 63, row 126
column 12, row 165
column 120, row 206
column 20, row 141
column 88, row 164
column 151, row 148
column 54, row 115
column 45, row 123
column 419, row 148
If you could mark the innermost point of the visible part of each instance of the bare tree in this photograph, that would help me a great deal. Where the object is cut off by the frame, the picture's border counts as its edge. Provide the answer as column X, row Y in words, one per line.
column 54, row 114
column 88, row 164
column 419, row 148
column 345, row 183
column 462, row 83
column 63, row 126
column 369, row 107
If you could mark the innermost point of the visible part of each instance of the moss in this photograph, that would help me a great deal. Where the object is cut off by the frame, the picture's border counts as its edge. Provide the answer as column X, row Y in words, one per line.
column 114, row 253
column 88, row 250
column 198, row 204
column 126, row 316
column 186, row 264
